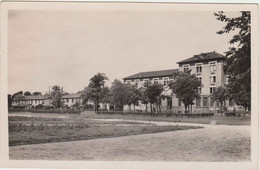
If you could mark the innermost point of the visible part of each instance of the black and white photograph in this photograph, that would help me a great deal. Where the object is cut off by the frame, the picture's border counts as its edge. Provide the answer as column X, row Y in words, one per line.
column 129, row 82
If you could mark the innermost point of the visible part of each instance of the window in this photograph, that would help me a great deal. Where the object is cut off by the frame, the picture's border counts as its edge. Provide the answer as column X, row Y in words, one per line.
column 212, row 79
column 185, row 67
column 137, row 82
column 72, row 100
column 165, row 81
column 211, row 102
column 199, row 90
column 67, row 100
column 198, row 101
column 205, row 101
column 213, row 66
column 155, row 80
column 146, row 82
column 212, row 89
column 179, row 102
column 199, row 68
column 128, row 81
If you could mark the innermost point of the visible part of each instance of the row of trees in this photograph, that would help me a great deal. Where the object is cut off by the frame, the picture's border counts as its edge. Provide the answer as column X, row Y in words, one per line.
column 185, row 88
column 120, row 94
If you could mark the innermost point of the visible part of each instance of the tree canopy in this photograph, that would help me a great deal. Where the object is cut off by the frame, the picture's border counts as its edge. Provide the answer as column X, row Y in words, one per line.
column 220, row 95
column 238, row 63
column 94, row 91
column 56, row 95
column 185, row 87
column 27, row 93
column 121, row 94
column 153, row 92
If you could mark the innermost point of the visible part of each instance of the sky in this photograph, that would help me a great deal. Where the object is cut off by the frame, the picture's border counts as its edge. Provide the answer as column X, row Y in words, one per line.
column 67, row 48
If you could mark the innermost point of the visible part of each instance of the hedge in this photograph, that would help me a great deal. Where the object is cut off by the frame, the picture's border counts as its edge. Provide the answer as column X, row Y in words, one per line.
column 157, row 114
column 69, row 111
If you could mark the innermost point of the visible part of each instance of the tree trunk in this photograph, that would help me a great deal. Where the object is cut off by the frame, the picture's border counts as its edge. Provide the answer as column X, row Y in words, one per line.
column 191, row 109
column 96, row 105
column 221, row 107
column 134, row 107
column 151, row 107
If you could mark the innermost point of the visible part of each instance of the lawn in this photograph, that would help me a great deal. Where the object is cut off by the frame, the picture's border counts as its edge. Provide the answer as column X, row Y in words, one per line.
column 222, row 120
column 33, row 129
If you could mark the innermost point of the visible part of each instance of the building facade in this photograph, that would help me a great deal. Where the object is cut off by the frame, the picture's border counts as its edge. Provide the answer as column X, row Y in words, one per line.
column 208, row 67
column 34, row 100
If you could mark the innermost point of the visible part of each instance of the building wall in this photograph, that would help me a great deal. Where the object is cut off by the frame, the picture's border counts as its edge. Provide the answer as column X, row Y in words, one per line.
column 71, row 101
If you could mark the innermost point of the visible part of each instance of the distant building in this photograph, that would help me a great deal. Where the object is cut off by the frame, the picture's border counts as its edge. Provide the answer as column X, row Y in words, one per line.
column 209, row 68
column 71, row 99
column 34, row 100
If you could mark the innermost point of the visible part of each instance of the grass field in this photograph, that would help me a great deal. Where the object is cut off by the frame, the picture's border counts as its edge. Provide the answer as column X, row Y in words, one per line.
column 222, row 120
column 37, row 128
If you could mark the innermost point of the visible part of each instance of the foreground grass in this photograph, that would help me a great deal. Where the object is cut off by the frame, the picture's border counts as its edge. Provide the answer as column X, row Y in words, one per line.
column 222, row 120
column 33, row 130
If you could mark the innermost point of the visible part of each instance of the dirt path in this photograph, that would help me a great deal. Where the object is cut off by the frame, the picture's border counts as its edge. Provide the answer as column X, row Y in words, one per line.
column 212, row 143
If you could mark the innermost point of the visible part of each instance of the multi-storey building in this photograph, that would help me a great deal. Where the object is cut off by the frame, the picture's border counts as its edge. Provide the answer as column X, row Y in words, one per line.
column 208, row 67
column 144, row 78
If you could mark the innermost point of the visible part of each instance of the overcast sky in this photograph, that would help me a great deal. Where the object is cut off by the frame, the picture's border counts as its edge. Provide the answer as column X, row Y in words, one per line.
column 67, row 48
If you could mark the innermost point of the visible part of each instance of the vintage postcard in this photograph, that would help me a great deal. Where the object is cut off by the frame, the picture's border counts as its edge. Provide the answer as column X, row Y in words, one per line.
column 129, row 85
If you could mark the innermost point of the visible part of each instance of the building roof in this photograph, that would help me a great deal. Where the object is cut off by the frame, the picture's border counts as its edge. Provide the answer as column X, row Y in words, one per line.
column 36, row 97
column 149, row 74
column 31, row 97
column 71, row 96
column 202, row 57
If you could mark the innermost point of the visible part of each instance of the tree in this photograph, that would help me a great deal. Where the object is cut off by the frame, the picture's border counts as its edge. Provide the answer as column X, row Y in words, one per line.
column 37, row 93
column 144, row 98
column 9, row 100
column 27, row 93
column 17, row 93
column 120, row 94
column 220, row 95
column 136, row 96
column 153, row 91
column 185, row 87
column 238, row 63
column 94, row 89
column 56, row 95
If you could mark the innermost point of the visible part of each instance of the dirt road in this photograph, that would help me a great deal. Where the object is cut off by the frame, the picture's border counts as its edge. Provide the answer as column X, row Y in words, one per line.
column 211, row 143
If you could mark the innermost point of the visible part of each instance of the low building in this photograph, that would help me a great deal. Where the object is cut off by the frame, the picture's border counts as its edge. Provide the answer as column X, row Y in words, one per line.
column 72, row 99
column 29, row 101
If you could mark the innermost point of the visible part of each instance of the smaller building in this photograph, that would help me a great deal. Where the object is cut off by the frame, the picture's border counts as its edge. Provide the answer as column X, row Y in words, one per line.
column 29, row 101
column 144, row 78
column 72, row 99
